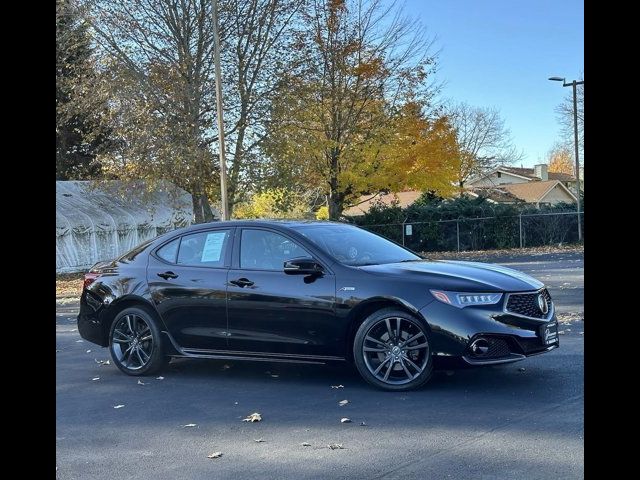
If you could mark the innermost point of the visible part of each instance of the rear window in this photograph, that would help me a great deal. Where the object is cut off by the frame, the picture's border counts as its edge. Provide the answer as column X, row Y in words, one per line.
column 132, row 254
column 169, row 251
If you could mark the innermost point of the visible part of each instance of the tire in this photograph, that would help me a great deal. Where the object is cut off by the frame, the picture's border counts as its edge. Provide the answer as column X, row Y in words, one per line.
column 138, row 352
column 391, row 362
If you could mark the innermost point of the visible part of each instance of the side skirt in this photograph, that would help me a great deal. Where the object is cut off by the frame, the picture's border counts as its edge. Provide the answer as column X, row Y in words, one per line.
column 181, row 352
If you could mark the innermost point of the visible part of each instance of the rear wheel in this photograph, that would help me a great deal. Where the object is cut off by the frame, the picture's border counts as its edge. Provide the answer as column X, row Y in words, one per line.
column 392, row 350
column 135, row 342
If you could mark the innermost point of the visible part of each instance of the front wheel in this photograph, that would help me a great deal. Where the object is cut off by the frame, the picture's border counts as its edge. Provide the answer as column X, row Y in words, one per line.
column 391, row 350
column 135, row 342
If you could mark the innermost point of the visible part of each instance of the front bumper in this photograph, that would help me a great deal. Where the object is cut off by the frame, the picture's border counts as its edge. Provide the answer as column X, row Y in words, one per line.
column 457, row 333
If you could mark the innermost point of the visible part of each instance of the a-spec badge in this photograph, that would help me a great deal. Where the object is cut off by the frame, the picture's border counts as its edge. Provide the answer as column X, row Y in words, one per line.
column 347, row 289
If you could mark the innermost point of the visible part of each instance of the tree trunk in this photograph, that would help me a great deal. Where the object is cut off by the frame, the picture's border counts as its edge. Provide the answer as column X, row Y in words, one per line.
column 335, row 198
column 335, row 207
column 201, row 208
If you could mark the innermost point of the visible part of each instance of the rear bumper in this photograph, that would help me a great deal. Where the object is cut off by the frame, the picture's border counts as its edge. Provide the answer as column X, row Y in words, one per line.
column 90, row 321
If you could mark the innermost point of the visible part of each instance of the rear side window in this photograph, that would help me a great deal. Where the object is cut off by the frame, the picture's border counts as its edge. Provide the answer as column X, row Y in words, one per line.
column 206, row 249
column 169, row 251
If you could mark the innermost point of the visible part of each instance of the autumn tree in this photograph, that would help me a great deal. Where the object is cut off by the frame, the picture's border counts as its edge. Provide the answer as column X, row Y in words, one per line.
column 79, row 131
column 560, row 159
column 157, row 64
column 483, row 139
column 351, row 113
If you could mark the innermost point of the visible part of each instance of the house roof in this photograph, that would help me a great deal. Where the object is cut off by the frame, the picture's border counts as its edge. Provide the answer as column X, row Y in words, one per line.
column 530, row 173
column 494, row 194
column 529, row 192
column 365, row 202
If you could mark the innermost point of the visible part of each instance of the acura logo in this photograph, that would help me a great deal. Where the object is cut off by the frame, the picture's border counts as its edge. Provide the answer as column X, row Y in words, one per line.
column 542, row 304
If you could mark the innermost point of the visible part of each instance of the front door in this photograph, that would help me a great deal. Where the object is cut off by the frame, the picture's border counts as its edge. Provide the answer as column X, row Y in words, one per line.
column 272, row 312
column 187, row 278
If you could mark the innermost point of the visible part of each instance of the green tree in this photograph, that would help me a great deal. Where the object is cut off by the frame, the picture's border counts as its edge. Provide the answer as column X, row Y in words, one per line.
column 79, row 133
column 273, row 203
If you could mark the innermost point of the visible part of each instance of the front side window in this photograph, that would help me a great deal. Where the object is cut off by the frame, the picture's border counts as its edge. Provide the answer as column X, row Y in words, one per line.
column 265, row 250
column 204, row 249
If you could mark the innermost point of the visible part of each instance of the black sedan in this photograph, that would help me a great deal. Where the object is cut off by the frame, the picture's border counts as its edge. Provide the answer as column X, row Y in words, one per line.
column 310, row 292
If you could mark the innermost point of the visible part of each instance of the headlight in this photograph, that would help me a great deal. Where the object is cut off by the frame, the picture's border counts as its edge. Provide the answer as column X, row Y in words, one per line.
column 461, row 299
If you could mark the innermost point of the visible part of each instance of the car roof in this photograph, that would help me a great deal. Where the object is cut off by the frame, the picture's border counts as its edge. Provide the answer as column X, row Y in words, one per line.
column 287, row 224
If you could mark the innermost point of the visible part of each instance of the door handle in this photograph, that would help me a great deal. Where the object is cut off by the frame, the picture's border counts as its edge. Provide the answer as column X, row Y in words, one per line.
column 168, row 275
column 242, row 282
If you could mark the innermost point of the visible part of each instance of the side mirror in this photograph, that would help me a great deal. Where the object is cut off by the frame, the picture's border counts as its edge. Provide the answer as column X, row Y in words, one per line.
column 302, row 266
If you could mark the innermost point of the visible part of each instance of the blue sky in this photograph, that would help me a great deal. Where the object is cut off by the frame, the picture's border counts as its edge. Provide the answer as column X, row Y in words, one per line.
column 499, row 53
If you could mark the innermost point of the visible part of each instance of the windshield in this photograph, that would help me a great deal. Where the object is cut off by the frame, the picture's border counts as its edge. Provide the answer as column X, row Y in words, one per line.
column 354, row 246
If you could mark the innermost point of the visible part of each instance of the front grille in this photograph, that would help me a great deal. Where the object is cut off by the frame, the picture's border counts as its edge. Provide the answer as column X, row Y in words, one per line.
column 527, row 304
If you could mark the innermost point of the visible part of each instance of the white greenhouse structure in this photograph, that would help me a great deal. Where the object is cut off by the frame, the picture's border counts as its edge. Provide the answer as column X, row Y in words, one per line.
column 96, row 222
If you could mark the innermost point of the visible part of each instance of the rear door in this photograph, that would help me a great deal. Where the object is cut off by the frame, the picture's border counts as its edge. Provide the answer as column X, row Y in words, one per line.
column 272, row 312
column 187, row 278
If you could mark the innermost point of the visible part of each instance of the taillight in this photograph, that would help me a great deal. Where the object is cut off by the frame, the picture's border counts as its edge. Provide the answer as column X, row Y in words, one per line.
column 89, row 278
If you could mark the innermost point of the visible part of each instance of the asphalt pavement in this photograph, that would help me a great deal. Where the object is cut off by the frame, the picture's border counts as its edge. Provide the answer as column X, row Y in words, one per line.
column 523, row 420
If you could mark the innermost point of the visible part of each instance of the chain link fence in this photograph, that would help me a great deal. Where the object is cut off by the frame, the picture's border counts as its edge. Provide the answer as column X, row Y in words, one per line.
column 484, row 233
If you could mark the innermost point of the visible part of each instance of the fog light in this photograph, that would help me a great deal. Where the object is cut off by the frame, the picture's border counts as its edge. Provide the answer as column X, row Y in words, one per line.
column 480, row 346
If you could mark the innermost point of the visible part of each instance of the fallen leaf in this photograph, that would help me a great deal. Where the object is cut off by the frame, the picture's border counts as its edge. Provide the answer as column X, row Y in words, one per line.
column 337, row 386
column 118, row 406
column 342, row 403
column 258, row 440
column 305, row 444
column 254, row 417
column 88, row 351
column 335, row 446
column 345, row 420
column 79, row 341
column 74, row 329
column 362, row 424
column 159, row 378
column 235, row 403
column 140, row 382
column 188, row 425
column 521, row 369
column 58, row 351
column 215, row 455
column 561, row 332
column 95, row 378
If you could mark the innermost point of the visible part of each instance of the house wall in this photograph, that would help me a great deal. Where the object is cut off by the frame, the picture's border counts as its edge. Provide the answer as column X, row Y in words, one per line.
column 493, row 180
column 557, row 195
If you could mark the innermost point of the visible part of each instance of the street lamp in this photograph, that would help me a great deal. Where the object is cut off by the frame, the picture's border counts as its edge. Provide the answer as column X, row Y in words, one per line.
column 574, row 84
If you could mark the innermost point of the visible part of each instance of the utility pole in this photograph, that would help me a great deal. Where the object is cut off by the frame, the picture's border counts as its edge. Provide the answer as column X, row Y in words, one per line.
column 218, row 74
column 574, row 84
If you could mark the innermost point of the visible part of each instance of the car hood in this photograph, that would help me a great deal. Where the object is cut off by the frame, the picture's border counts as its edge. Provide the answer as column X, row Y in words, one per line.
column 460, row 276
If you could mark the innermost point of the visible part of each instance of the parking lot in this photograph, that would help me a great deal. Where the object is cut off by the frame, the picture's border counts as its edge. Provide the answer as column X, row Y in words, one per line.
column 522, row 420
